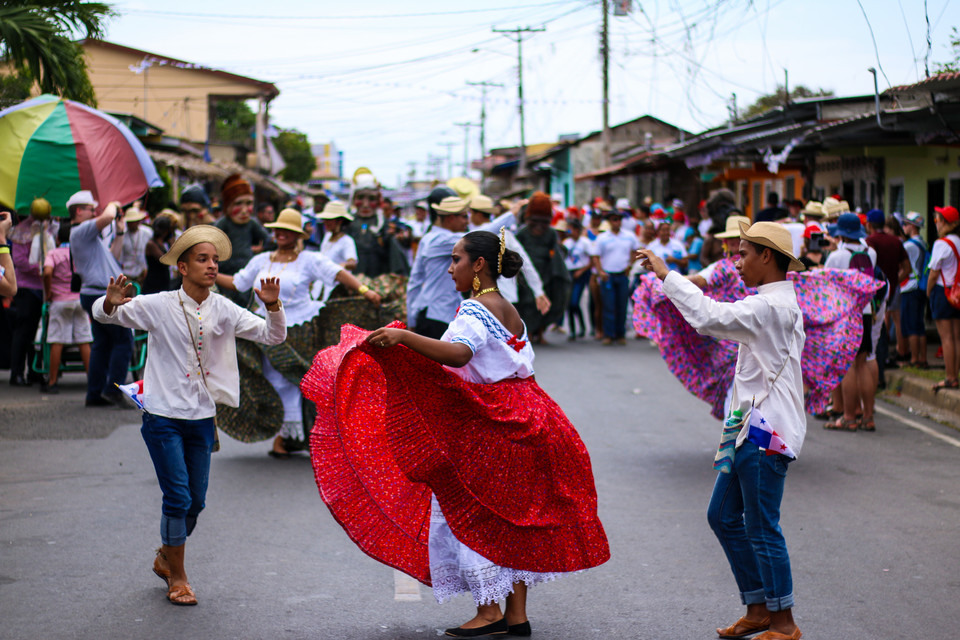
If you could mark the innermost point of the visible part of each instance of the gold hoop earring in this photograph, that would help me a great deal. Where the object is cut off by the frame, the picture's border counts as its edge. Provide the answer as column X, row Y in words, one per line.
column 476, row 283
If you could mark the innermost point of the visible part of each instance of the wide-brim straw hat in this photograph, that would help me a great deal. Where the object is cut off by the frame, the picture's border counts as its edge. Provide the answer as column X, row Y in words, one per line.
column 772, row 235
column 483, row 204
column 134, row 215
column 814, row 209
column 733, row 227
column 333, row 210
column 451, row 205
column 197, row 235
column 289, row 220
column 833, row 208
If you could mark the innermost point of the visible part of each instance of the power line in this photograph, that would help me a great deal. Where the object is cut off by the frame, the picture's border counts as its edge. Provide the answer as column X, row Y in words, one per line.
column 875, row 49
column 518, row 34
column 385, row 16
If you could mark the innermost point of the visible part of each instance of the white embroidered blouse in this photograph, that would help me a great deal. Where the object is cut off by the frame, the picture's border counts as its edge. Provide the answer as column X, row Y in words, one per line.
column 497, row 354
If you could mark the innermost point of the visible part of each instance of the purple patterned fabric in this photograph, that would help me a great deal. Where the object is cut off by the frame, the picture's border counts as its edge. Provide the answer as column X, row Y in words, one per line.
column 831, row 301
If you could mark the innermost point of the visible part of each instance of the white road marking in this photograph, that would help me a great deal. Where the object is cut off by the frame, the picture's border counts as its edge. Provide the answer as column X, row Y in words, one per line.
column 916, row 425
column 405, row 588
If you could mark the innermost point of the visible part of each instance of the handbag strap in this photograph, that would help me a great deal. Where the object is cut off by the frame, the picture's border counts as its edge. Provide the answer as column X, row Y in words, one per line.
column 956, row 256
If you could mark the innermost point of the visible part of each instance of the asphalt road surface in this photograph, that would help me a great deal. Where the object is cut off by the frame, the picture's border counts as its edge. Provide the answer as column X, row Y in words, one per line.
column 871, row 520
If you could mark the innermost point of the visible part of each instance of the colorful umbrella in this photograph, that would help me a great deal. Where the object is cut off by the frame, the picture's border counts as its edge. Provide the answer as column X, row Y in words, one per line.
column 52, row 148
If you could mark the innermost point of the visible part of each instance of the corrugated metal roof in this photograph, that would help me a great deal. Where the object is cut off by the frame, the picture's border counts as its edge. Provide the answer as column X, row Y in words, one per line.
column 941, row 80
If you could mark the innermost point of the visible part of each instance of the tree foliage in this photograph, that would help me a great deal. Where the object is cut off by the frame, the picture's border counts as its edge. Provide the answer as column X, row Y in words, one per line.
column 295, row 149
column 953, row 65
column 37, row 35
column 776, row 99
column 234, row 121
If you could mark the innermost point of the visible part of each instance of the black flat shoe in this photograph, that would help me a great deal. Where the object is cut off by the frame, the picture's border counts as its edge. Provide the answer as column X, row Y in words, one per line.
column 19, row 381
column 278, row 454
column 521, row 630
column 97, row 402
column 499, row 627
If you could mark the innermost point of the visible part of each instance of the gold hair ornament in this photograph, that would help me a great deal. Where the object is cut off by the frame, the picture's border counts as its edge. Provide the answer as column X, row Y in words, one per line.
column 503, row 247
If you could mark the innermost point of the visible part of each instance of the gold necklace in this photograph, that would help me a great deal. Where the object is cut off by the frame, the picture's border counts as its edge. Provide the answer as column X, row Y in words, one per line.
column 285, row 263
column 487, row 290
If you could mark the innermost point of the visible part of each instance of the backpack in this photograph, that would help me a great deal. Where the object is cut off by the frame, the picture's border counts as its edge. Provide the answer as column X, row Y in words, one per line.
column 860, row 260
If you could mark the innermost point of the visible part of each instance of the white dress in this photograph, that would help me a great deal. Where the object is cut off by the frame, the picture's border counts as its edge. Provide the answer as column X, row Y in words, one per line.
column 338, row 251
column 295, row 280
column 497, row 355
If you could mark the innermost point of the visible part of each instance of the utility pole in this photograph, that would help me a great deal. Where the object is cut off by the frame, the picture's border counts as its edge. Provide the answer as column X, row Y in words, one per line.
column 483, row 127
column 466, row 142
column 518, row 34
column 605, row 57
column 449, row 146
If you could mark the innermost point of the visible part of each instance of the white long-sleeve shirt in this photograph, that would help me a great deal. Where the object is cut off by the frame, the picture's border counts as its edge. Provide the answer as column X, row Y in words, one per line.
column 769, row 328
column 172, row 382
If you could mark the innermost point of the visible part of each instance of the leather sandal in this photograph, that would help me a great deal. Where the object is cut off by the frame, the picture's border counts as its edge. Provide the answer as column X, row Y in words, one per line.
column 743, row 628
column 842, row 424
column 163, row 574
column 182, row 595
column 776, row 635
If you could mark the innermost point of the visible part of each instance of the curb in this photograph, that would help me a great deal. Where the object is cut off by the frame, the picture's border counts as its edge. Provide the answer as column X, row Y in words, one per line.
column 917, row 388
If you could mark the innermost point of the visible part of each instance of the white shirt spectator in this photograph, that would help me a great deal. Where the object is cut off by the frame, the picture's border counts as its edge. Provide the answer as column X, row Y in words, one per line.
column 578, row 253
column 840, row 259
column 615, row 250
column 133, row 251
column 941, row 257
column 673, row 249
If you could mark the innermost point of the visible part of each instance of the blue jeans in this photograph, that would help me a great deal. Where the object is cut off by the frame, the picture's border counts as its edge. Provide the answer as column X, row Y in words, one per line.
column 574, row 312
column 744, row 513
column 615, row 292
column 180, row 450
column 110, row 354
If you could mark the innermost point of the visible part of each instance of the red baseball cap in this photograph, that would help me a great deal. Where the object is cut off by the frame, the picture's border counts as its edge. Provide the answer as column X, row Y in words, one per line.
column 810, row 229
column 950, row 214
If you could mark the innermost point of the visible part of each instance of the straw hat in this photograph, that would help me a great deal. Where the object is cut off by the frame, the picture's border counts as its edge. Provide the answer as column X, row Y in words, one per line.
column 483, row 204
column 134, row 215
column 733, row 227
column 813, row 209
column 832, row 208
column 288, row 219
column 451, row 205
column 772, row 235
column 333, row 210
column 194, row 236
column 560, row 225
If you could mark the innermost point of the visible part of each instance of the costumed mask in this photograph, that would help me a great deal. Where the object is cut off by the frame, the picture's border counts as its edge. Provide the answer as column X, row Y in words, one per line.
column 234, row 187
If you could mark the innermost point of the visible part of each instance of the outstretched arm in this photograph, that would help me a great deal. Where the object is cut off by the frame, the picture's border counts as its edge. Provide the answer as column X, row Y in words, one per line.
column 452, row 354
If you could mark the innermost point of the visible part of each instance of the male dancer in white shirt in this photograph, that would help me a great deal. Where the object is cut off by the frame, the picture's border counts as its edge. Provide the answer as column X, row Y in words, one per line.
column 191, row 366
column 744, row 510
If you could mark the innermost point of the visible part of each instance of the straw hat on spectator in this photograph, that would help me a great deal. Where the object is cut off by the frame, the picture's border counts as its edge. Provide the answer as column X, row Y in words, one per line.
column 451, row 205
column 288, row 219
column 333, row 210
column 733, row 227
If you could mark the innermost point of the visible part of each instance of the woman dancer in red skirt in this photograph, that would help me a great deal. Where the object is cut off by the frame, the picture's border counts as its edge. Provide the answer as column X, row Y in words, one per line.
column 473, row 451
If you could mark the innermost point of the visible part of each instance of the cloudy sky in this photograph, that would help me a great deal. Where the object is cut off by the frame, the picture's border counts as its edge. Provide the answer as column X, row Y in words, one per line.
column 387, row 81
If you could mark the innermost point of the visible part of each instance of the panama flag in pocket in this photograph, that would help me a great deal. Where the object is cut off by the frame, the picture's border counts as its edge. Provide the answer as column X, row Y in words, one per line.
column 762, row 434
column 134, row 391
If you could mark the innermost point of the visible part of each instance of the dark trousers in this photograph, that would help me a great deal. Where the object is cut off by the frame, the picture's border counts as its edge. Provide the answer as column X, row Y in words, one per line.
column 615, row 292
column 574, row 312
column 27, row 309
column 110, row 354
column 430, row 328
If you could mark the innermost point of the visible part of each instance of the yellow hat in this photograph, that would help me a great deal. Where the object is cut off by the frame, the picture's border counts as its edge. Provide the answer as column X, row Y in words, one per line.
column 288, row 219
column 772, row 235
column 196, row 235
column 134, row 215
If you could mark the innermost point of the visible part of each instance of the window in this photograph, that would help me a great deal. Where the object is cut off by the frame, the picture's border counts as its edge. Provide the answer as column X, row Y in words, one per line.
column 790, row 189
column 756, row 204
column 896, row 196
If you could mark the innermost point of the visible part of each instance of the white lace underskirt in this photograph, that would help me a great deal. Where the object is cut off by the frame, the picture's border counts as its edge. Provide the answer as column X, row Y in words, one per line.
column 455, row 568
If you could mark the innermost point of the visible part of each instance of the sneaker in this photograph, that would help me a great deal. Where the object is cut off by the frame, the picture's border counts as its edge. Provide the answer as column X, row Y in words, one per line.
column 53, row 389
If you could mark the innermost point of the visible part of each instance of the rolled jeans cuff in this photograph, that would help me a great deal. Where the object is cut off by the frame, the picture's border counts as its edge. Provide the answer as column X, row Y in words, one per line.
column 780, row 604
column 173, row 531
column 753, row 597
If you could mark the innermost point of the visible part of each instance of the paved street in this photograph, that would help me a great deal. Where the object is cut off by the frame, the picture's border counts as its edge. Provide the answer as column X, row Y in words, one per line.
column 871, row 520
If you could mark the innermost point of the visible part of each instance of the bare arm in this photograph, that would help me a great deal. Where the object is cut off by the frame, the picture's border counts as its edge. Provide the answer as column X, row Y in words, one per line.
column 452, row 354
column 350, row 281
column 8, row 285
column 225, row 282
column 932, row 281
